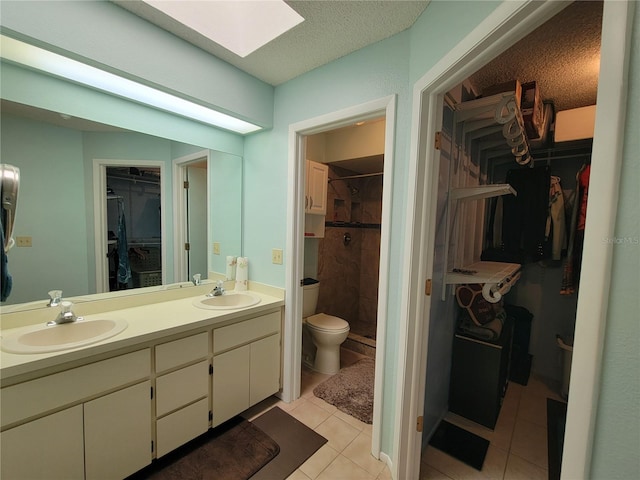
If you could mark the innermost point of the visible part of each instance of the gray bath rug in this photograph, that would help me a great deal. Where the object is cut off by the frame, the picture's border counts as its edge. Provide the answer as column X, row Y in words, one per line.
column 351, row 390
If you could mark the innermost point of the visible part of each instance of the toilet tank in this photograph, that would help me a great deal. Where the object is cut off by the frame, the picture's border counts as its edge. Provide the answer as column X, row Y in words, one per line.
column 310, row 299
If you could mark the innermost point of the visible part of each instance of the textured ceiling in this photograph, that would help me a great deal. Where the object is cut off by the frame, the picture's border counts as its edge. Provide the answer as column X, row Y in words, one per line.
column 332, row 29
column 562, row 56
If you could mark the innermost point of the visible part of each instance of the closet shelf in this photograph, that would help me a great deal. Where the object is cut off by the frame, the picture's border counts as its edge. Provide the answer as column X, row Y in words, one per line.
column 482, row 191
column 497, row 277
column 485, row 117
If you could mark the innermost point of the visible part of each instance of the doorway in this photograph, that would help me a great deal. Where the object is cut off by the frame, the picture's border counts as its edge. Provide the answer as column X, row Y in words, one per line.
column 190, row 192
column 346, row 259
column 513, row 21
column 295, row 244
column 129, row 228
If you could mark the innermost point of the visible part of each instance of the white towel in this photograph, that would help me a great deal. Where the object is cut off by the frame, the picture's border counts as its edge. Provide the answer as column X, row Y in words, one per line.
column 231, row 267
column 242, row 273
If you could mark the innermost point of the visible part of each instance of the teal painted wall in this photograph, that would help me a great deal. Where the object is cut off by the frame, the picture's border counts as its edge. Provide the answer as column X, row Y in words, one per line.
column 617, row 435
column 51, row 167
column 440, row 28
column 368, row 74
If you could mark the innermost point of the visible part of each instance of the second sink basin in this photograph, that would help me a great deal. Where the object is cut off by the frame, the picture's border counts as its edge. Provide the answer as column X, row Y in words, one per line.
column 227, row 301
column 43, row 339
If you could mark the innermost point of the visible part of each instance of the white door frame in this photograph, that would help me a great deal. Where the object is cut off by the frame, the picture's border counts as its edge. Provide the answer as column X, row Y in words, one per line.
column 507, row 24
column 100, row 215
column 179, row 212
column 295, row 244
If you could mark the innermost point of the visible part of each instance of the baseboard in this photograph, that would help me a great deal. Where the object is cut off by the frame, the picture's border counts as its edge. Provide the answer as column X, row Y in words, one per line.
column 386, row 459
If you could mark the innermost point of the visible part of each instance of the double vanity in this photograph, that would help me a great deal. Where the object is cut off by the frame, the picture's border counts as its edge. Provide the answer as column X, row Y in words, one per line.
column 129, row 385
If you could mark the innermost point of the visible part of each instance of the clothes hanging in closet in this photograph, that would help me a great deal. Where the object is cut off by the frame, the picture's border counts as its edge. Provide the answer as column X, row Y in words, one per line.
column 124, row 269
column 571, row 273
column 555, row 232
column 524, row 217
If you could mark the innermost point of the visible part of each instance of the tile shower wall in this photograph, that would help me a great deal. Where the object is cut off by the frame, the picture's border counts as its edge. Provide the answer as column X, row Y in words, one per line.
column 348, row 269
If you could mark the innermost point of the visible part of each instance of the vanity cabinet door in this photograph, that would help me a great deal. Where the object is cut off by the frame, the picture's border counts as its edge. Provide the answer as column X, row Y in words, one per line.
column 316, row 188
column 265, row 368
column 48, row 448
column 230, row 383
column 118, row 433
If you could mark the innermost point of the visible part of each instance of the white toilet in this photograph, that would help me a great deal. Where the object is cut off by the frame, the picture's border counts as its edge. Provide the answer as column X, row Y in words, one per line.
column 327, row 332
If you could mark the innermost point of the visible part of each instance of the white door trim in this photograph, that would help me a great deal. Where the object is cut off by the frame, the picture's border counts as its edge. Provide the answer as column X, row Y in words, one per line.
column 507, row 24
column 295, row 244
column 179, row 219
column 100, row 215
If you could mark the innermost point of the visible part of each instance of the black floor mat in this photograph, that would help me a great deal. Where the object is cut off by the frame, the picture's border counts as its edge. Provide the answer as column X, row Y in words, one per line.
column 461, row 444
column 556, row 419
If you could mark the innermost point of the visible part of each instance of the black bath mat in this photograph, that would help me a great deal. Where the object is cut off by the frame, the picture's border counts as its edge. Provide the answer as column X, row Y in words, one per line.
column 460, row 444
column 556, row 419
column 297, row 443
column 234, row 450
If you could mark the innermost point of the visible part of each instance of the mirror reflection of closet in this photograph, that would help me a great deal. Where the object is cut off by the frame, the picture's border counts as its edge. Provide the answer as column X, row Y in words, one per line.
column 134, row 227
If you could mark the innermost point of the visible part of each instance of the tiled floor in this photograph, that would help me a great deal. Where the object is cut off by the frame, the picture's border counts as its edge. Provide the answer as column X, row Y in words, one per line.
column 347, row 454
column 518, row 448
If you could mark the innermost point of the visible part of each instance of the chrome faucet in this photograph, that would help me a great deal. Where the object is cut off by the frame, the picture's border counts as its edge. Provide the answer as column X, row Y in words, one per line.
column 55, row 298
column 65, row 315
column 217, row 290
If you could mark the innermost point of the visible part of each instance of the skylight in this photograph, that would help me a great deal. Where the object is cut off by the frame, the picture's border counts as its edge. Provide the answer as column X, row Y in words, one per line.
column 241, row 26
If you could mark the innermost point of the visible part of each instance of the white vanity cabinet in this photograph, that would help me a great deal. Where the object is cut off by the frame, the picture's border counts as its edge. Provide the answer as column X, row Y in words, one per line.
column 93, row 421
column 246, row 364
column 182, row 391
column 48, row 448
column 316, row 188
column 108, row 414
column 117, row 433
column 315, row 199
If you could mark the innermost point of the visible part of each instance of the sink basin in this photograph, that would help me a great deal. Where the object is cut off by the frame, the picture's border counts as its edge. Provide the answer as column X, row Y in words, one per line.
column 227, row 301
column 43, row 339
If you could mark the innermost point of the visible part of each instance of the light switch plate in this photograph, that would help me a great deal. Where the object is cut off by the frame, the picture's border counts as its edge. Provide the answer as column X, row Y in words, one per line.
column 276, row 256
column 216, row 248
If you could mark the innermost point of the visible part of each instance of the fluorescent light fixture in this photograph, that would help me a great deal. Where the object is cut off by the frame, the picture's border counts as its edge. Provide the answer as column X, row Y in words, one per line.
column 241, row 26
column 59, row 66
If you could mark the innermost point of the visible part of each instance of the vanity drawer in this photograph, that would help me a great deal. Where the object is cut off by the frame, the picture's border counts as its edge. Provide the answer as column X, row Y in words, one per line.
column 240, row 333
column 181, row 352
column 181, row 387
column 26, row 399
column 182, row 426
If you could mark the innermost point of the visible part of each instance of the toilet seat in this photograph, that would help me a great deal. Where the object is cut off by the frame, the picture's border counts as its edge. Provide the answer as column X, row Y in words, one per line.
column 327, row 323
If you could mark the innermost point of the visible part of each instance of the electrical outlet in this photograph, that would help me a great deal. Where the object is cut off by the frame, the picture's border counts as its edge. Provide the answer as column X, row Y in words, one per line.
column 216, row 248
column 23, row 241
column 276, row 256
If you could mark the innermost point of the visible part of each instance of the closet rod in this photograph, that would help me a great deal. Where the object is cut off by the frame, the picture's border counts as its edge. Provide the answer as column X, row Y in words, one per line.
column 134, row 179
column 355, row 176
column 561, row 157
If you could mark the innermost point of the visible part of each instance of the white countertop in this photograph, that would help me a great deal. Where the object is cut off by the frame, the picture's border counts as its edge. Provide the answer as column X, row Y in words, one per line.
column 145, row 324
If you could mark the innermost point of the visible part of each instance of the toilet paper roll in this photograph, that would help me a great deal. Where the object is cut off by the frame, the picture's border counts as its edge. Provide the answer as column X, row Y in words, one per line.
column 242, row 273
column 231, row 267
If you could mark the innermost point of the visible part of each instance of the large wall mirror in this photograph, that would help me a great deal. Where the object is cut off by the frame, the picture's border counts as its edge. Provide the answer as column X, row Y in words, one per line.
column 61, row 161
